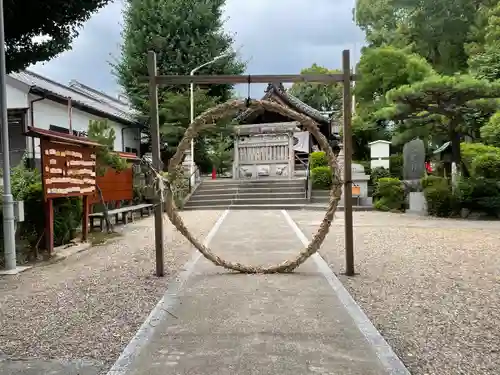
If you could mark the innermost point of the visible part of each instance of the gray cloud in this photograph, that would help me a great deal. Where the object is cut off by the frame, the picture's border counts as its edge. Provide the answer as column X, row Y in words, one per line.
column 276, row 37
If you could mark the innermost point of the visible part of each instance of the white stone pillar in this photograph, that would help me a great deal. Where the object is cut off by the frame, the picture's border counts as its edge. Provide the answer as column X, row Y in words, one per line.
column 236, row 161
column 291, row 157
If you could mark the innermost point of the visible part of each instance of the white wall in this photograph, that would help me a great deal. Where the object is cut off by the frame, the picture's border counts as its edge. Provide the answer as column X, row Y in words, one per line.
column 16, row 98
column 47, row 112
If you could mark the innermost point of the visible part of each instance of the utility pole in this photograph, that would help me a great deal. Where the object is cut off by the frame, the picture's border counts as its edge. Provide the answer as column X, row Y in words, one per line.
column 349, row 238
column 9, row 230
column 155, row 150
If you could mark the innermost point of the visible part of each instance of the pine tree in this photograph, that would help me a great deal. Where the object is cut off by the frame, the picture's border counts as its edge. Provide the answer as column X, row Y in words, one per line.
column 101, row 132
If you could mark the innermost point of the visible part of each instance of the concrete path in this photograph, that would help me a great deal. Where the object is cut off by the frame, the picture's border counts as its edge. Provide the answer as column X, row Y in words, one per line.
column 225, row 323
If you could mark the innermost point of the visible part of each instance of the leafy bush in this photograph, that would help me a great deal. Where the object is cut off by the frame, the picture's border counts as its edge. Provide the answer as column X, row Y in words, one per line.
column 440, row 200
column 396, row 165
column 321, row 177
column 27, row 186
column 378, row 173
column 479, row 195
column 389, row 194
column 487, row 166
column 318, row 159
column 431, row 180
column 139, row 193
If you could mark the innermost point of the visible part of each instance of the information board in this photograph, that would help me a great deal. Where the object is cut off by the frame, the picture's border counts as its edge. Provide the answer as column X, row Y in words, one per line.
column 67, row 170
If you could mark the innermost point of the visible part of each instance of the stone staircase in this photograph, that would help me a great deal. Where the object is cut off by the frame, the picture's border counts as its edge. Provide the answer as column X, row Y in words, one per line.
column 249, row 194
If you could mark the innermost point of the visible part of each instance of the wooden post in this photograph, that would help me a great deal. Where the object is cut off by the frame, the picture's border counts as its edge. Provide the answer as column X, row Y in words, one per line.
column 349, row 240
column 49, row 226
column 85, row 218
column 155, row 148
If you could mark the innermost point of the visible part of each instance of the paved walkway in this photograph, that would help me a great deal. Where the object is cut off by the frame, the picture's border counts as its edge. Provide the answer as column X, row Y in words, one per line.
column 223, row 323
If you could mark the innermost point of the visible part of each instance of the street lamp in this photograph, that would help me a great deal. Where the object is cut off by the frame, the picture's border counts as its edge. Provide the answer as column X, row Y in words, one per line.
column 191, row 167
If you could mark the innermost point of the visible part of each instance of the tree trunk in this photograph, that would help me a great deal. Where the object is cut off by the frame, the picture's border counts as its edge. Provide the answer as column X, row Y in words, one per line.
column 109, row 226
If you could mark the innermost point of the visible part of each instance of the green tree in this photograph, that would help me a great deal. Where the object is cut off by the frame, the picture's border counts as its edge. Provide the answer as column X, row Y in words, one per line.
column 49, row 30
column 381, row 70
column 484, row 59
column 437, row 30
column 318, row 95
column 185, row 34
column 446, row 105
column 490, row 133
column 386, row 68
column 220, row 153
column 101, row 132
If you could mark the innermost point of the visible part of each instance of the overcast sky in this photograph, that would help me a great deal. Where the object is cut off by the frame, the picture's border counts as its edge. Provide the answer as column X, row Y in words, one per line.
column 275, row 36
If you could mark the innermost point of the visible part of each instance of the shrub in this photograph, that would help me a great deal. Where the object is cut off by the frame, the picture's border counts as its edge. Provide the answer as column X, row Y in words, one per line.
column 27, row 186
column 321, row 177
column 318, row 159
column 487, row 166
column 440, row 200
column 396, row 165
column 431, row 180
column 379, row 172
column 389, row 194
column 479, row 194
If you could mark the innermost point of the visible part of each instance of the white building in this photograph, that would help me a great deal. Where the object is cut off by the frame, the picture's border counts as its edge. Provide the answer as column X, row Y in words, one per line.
column 33, row 100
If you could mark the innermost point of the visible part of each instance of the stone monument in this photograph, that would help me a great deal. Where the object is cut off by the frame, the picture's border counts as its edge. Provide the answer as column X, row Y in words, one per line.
column 414, row 160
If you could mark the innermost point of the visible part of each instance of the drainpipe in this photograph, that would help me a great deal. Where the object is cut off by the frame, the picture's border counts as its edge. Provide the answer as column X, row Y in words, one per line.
column 123, row 139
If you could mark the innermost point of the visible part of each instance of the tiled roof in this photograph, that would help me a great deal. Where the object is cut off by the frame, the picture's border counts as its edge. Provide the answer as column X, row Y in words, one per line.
column 94, row 100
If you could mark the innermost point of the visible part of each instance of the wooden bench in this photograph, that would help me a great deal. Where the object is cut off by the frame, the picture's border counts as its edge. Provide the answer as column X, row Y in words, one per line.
column 122, row 214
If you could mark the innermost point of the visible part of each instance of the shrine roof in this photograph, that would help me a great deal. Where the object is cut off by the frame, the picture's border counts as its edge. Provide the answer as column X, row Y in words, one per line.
column 278, row 91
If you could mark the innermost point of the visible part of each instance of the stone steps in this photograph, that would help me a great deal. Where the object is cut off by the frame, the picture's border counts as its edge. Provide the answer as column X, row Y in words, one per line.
column 249, row 194
column 231, row 195
column 311, row 207
column 249, row 190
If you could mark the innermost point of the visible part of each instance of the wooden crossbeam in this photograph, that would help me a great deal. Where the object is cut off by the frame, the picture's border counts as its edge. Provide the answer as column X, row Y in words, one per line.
column 235, row 79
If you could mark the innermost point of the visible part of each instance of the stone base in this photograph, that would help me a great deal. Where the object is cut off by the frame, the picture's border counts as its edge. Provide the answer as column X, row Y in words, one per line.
column 417, row 203
column 15, row 271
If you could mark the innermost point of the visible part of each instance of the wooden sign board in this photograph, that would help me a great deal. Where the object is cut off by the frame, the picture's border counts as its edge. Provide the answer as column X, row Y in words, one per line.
column 67, row 170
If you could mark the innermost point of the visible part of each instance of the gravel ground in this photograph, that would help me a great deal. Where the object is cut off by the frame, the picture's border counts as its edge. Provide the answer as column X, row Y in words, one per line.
column 90, row 305
column 431, row 286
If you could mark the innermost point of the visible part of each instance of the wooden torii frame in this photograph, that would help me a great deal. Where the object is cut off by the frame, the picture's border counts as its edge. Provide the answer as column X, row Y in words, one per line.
column 346, row 77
